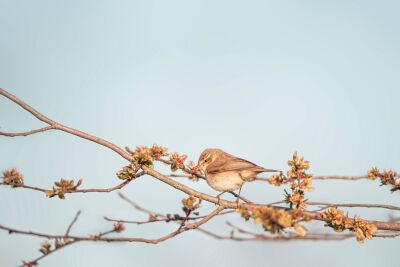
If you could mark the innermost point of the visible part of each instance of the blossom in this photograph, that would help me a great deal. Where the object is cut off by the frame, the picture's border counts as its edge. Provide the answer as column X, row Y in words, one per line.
column 338, row 221
column 190, row 204
column 177, row 161
column 13, row 177
column 119, row 227
column 63, row 186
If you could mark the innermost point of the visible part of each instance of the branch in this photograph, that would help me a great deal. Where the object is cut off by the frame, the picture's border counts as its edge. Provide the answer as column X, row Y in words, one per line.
column 72, row 223
column 41, row 130
column 100, row 237
column 387, row 235
column 233, row 205
column 339, row 177
column 58, row 126
column 70, row 239
column 58, row 245
column 157, row 217
column 381, row 206
column 88, row 190
column 324, row 177
column 35, row 261
column 199, row 220
column 309, row 236
column 154, row 216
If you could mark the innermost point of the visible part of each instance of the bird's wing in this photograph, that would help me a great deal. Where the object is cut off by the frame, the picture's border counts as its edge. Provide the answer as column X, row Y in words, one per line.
column 231, row 163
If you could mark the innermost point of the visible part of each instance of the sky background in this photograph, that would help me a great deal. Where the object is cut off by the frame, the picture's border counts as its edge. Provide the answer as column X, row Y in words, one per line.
column 260, row 79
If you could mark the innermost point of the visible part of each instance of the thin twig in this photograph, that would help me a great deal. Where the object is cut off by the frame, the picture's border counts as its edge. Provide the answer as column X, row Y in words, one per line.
column 381, row 206
column 72, row 223
column 35, row 261
column 318, row 177
column 58, row 126
column 161, row 218
column 88, row 190
column 387, row 235
column 101, row 237
column 41, row 130
column 154, row 216
column 341, row 177
column 309, row 236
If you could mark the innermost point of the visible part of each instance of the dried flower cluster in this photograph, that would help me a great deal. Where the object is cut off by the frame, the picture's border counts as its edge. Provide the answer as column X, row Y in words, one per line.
column 300, row 181
column 277, row 179
column 63, row 187
column 387, row 178
column 45, row 248
column 141, row 156
column 13, row 177
column 158, row 152
column 339, row 222
column 296, row 198
column 29, row 264
column 119, row 227
column 274, row 220
column 195, row 169
column 173, row 217
column 177, row 161
column 145, row 156
column 190, row 204
column 127, row 172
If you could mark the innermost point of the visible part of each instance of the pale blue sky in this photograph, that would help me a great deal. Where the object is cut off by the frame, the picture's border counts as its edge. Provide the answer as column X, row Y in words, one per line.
column 260, row 79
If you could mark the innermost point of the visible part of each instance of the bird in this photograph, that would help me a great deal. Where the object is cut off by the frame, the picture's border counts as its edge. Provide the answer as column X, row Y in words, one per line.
column 225, row 172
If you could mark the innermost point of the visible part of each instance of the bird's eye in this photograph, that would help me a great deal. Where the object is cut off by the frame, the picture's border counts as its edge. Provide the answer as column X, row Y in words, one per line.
column 205, row 160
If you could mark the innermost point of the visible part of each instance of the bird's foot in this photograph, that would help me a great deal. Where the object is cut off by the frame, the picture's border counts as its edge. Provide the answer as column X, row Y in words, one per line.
column 218, row 198
column 237, row 201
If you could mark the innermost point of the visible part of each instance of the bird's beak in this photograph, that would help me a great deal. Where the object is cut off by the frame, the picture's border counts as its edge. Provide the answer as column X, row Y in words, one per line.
column 200, row 165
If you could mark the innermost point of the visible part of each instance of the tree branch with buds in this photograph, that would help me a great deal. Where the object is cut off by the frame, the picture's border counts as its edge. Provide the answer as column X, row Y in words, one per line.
column 282, row 220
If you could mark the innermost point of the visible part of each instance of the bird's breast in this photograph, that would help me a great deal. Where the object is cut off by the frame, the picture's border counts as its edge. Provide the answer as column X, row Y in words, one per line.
column 224, row 181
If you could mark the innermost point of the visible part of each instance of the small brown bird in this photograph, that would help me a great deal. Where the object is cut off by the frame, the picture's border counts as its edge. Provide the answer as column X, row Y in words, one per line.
column 225, row 172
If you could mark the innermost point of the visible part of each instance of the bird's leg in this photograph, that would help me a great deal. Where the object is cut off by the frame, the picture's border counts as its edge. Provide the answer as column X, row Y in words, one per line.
column 218, row 196
column 238, row 197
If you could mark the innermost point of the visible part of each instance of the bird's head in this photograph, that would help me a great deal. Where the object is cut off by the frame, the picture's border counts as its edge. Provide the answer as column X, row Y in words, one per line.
column 207, row 157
